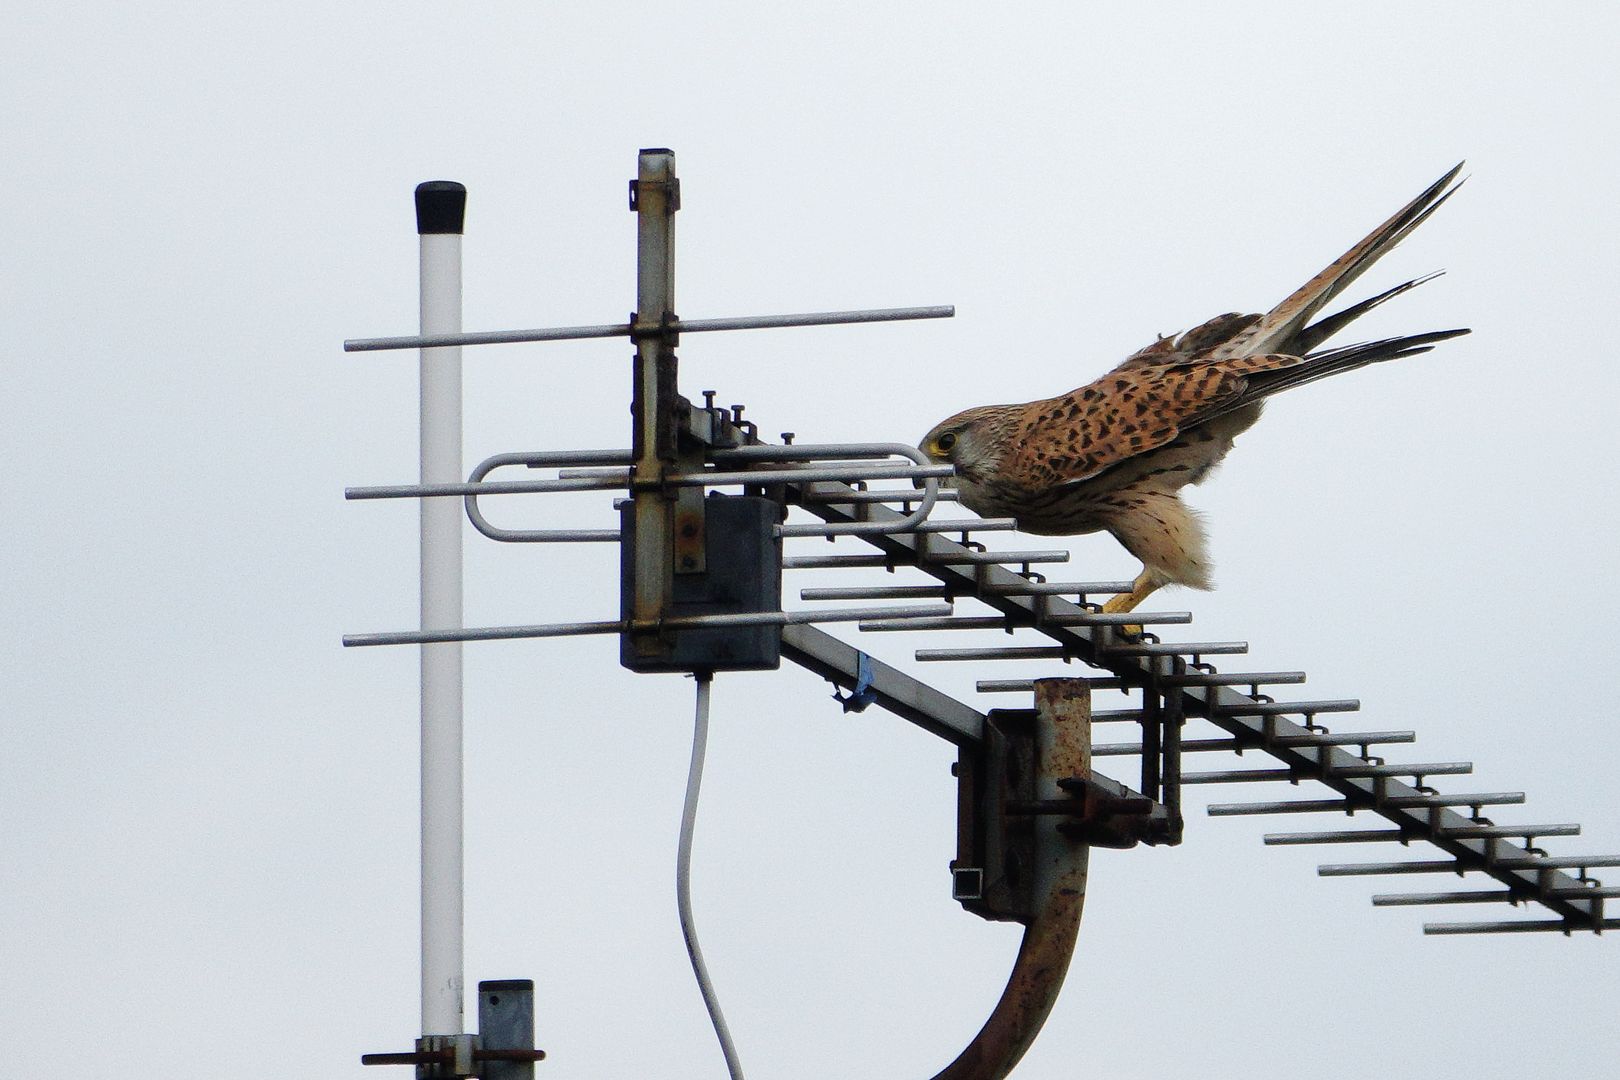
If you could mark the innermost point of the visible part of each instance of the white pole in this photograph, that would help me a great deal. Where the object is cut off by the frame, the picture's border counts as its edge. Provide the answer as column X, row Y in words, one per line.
column 440, row 207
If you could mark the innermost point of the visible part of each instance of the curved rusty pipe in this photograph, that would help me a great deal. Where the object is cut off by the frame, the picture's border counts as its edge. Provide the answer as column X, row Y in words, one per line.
column 1063, row 750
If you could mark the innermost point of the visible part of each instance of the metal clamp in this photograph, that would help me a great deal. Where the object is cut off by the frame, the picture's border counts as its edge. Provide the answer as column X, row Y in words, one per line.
column 450, row 1056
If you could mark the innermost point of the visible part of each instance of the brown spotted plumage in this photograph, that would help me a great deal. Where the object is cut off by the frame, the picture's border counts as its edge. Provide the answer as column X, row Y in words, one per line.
column 1115, row 454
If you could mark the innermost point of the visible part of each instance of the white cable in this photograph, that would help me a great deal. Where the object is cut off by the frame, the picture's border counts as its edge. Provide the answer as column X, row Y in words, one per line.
column 683, row 877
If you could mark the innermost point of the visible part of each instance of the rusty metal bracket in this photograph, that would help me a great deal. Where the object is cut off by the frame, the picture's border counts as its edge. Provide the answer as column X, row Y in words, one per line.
column 691, row 550
column 671, row 189
column 445, row 1061
column 999, row 813
column 1056, row 874
column 503, row 1049
column 1101, row 817
column 653, row 404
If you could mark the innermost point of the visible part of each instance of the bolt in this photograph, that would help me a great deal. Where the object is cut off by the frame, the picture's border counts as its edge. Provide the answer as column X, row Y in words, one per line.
column 736, row 414
column 787, row 438
column 687, row 562
column 708, row 399
column 689, row 530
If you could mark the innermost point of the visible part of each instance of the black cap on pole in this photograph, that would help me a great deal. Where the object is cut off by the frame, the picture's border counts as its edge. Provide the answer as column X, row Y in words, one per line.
column 441, row 206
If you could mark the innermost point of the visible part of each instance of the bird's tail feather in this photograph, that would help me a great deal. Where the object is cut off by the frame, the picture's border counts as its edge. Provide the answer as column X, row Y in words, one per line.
column 1277, row 331
column 1328, row 362
column 1316, row 333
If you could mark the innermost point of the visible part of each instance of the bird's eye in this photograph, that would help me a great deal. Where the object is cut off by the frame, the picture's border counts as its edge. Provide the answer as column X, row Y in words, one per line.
column 946, row 442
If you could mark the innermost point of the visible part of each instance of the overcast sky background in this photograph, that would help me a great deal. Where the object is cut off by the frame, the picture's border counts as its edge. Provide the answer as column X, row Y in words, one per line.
column 208, row 806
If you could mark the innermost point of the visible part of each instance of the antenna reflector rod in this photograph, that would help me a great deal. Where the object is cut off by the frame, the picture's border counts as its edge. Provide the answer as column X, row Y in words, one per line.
column 620, row 626
column 677, row 326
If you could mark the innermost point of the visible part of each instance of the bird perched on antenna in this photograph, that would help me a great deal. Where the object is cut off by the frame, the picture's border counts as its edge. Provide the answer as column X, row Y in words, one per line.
column 1116, row 453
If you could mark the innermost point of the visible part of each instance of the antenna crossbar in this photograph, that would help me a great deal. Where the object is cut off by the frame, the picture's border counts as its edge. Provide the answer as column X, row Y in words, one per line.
column 1361, row 783
column 631, row 329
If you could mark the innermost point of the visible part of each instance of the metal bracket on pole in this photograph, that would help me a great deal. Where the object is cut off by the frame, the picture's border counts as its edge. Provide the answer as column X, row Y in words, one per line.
column 503, row 1049
column 506, row 1029
column 1047, row 873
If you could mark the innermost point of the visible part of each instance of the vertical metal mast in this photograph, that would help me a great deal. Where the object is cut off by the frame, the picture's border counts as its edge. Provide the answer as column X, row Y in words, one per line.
column 440, row 210
column 654, row 196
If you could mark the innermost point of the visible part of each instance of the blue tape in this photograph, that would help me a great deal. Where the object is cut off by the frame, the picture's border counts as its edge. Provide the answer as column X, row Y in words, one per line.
column 863, row 695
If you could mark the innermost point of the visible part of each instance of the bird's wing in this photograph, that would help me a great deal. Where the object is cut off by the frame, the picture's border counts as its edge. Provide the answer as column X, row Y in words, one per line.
column 1128, row 412
column 1199, row 339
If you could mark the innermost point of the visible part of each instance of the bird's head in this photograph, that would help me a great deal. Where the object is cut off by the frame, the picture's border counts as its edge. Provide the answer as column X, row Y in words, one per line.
column 974, row 441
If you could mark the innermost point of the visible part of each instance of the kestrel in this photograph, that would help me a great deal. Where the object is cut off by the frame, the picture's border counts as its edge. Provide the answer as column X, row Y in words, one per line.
column 1116, row 453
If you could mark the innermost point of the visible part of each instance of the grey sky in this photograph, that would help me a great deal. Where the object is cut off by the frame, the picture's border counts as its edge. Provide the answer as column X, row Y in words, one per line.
column 209, row 806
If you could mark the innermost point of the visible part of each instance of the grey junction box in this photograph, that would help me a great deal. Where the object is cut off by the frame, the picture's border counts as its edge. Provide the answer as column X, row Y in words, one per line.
column 742, row 574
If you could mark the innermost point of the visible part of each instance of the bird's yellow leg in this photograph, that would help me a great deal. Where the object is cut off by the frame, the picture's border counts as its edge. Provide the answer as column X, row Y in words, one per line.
column 1145, row 585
